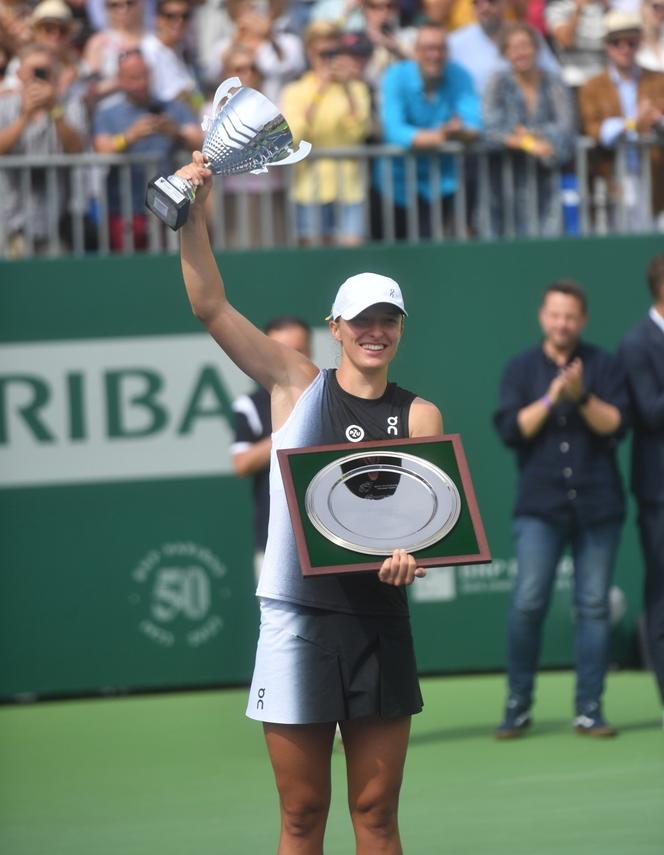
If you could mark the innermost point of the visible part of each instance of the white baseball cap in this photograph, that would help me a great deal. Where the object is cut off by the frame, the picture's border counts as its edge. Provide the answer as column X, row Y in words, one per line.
column 359, row 292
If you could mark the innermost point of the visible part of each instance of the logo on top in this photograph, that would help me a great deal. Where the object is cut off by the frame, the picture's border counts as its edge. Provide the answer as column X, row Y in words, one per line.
column 354, row 433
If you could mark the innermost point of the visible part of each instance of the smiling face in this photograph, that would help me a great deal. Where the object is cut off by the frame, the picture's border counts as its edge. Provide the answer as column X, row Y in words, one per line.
column 431, row 51
column 171, row 22
column 520, row 51
column 621, row 48
column 562, row 319
column 370, row 340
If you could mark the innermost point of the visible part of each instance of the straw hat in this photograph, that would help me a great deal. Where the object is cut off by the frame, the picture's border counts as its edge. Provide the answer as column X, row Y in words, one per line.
column 55, row 10
column 617, row 21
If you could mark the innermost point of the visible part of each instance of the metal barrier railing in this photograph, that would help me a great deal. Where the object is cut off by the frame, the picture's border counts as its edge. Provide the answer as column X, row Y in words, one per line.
column 77, row 204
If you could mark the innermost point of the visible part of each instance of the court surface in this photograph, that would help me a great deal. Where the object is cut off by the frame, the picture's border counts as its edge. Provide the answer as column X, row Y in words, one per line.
column 187, row 773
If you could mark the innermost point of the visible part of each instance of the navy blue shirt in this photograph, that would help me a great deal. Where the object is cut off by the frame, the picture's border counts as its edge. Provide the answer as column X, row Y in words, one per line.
column 567, row 472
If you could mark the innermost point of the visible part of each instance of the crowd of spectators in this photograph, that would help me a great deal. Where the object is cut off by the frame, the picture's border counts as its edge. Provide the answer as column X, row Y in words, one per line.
column 129, row 76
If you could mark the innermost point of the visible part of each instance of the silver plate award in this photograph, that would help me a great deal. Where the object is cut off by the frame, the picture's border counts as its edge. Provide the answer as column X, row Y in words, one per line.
column 377, row 501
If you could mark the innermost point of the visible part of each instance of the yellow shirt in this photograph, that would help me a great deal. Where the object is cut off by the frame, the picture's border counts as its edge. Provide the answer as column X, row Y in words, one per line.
column 461, row 14
column 335, row 120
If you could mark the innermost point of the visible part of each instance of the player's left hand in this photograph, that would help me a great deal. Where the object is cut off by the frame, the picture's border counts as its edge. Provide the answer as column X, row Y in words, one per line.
column 400, row 569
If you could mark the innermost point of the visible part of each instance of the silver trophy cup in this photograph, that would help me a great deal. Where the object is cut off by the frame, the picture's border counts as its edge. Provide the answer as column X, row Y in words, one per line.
column 244, row 133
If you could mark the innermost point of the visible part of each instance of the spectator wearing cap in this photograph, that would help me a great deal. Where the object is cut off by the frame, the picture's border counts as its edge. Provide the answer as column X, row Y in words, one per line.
column 618, row 106
column 577, row 30
column 424, row 103
column 651, row 52
column 34, row 121
column 54, row 26
column 132, row 121
column 330, row 109
column 171, row 73
column 379, row 19
column 477, row 46
column 278, row 56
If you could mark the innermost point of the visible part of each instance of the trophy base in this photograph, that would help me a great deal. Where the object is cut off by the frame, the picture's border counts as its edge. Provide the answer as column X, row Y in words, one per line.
column 167, row 202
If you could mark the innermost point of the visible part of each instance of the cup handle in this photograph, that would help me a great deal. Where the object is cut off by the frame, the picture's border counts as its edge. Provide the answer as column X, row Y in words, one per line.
column 222, row 92
column 294, row 155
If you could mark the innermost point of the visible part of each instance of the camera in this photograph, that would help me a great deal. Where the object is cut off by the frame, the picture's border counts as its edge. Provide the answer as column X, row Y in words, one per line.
column 330, row 54
column 41, row 73
column 156, row 108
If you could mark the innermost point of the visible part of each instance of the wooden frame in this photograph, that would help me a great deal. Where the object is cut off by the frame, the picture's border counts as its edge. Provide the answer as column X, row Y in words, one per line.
column 466, row 543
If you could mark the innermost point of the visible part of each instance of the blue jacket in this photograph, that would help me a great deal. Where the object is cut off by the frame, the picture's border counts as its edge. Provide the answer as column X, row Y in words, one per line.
column 406, row 109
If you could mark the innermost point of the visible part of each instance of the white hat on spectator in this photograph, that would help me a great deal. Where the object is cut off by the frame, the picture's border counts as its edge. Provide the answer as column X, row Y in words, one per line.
column 54, row 10
column 617, row 21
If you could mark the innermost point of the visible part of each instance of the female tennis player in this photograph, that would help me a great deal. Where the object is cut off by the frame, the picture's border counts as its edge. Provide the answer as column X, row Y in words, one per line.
column 331, row 648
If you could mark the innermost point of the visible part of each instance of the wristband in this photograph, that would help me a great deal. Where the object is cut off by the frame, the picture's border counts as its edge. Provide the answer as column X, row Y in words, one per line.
column 583, row 400
column 57, row 112
column 630, row 124
column 528, row 143
column 119, row 142
column 546, row 400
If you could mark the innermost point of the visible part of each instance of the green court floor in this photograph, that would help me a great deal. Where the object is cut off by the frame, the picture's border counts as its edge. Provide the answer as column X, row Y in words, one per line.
column 187, row 773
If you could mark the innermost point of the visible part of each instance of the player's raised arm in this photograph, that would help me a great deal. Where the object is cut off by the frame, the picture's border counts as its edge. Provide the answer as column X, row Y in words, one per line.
column 265, row 360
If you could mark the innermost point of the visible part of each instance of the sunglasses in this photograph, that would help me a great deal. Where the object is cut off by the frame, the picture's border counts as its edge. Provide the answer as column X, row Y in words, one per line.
column 176, row 16
column 125, row 54
column 624, row 41
column 53, row 27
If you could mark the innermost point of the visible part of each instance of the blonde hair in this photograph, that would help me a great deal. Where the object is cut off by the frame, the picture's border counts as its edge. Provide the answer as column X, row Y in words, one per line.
column 321, row 30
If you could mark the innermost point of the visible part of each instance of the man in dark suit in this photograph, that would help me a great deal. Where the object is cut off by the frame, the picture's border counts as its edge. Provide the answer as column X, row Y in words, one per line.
column 642, row 352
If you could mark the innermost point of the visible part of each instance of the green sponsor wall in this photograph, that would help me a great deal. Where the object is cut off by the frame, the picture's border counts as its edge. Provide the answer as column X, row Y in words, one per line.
column 146, row 582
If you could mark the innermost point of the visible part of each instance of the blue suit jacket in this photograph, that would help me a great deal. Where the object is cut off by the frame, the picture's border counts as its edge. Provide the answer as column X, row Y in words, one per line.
column 642, row 354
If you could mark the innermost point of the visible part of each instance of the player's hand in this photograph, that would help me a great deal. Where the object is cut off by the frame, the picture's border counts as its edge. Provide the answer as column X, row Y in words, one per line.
column 400, row 569
column 198, row 174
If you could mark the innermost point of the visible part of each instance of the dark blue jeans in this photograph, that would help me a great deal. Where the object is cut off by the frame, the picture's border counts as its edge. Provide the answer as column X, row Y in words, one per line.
column 539, row 547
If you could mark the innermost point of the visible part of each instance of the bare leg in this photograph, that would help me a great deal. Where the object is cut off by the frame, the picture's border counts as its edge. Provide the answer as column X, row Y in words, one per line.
column 300, row 755
column 375, row 756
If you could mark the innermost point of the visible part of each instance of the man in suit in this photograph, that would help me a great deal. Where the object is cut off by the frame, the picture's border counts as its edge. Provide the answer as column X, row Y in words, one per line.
column 617, row 107
column 642, row 352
